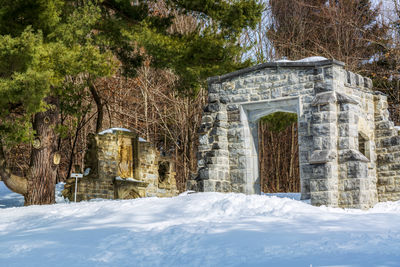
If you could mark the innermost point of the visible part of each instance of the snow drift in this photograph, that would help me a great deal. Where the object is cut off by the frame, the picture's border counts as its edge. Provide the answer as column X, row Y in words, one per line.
column 202, row 229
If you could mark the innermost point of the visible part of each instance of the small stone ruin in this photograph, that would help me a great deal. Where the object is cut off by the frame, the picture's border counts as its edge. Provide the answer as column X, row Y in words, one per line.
column 120, row 165
column 349, row 149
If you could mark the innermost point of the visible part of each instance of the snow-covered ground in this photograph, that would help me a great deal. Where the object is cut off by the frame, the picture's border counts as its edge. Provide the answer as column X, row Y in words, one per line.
column 9, row 198
column 202, row 229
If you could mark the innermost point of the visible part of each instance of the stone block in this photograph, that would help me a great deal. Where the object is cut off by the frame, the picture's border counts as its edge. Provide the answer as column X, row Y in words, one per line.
column 304, row 128
column 238, row 176
column 275, row 93
column 323, row 198
column 304, row 156
column 346, row 155
column 328, row 73
column 212, row 98
column 321, row 87
column 328, row 107
column 344, row 99
column 214, row 88
column 209, row 186
column 240, row 98
column 321, row 171
column 322, row 129
column 324, row 98
column 307, row 171
column 221, row 116
column 384, row 125
column 357, row 169
column 318, row 185
column 219, row 131
column 322, row 156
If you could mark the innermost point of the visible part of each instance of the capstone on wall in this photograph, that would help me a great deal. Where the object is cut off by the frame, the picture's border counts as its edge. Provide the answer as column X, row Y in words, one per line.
column 120, row 166
column 349, row 150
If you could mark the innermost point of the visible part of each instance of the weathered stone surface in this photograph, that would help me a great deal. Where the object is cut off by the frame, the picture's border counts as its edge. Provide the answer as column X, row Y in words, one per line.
column 322, row 156
column 324, row 98
column 352, row 155
column 344, row 99
column 349, row 150
column 119, row 166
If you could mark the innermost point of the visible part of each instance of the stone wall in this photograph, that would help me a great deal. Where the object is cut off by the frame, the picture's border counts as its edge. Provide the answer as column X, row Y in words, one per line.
column 388, row 152
column 119, row 166
column 338, row 118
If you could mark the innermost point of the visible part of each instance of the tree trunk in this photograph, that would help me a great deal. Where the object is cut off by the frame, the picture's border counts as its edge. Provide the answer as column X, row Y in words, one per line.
column 71, row 156
column 14, row 183
column 99, row 105
column 42, row 170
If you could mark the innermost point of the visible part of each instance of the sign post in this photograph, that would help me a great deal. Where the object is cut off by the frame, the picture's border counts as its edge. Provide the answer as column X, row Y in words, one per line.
column 76, row 176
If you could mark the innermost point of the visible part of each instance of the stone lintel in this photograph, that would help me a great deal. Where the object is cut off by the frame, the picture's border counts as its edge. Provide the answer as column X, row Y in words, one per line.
column 322, row 156
column 352, row 155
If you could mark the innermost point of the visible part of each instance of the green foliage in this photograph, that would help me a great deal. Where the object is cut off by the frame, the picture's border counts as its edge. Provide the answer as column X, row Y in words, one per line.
column 42, row 54
column 230, row 16
column 194, row 56
column 16, row 15
column 211, row 49
column 25, row 80
column 279, row 121
column 119, row 19
column 62, row 130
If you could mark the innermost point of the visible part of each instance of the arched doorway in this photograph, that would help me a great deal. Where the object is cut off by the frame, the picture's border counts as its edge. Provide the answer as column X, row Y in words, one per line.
column 251, row 115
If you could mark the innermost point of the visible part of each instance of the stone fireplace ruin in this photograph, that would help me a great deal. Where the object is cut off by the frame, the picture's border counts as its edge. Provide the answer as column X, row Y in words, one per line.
column 120, row 165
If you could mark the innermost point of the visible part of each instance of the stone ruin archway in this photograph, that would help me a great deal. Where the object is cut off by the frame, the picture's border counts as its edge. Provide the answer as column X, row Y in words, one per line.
column 251, row 113
column 334, row 108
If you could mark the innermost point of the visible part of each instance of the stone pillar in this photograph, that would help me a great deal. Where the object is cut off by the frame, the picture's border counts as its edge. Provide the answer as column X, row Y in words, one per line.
column 324, row 178
column 353, row 165
column 248, row 158
column 107, row 156
column 306, row 145
column 213, row 164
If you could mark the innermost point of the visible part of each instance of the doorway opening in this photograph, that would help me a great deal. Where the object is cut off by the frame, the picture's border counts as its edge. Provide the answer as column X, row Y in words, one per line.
column 278, row 153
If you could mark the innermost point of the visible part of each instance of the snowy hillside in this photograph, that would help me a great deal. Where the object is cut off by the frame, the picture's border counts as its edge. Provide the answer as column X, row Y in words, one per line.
column 202, row 229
